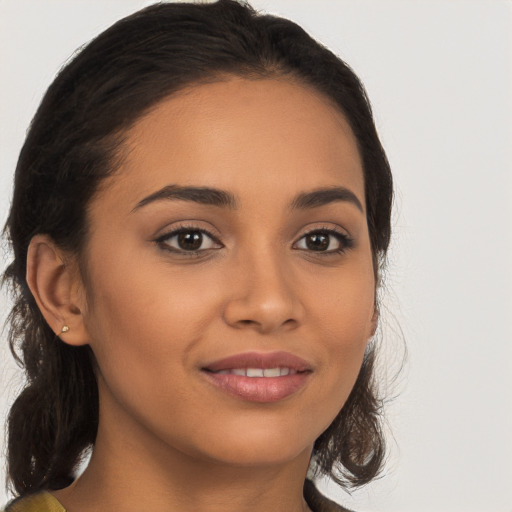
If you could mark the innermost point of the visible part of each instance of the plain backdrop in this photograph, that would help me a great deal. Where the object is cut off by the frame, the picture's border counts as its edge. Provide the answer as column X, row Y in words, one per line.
column 439, row 75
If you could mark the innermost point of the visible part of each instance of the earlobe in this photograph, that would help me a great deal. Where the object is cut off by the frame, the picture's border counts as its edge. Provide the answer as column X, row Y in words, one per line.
column 52, row 281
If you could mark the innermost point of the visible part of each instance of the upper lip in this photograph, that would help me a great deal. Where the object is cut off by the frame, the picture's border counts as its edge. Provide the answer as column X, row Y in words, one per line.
column 260, row 360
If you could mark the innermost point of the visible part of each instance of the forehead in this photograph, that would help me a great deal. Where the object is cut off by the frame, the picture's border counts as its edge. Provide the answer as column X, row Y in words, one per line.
column 248, row 136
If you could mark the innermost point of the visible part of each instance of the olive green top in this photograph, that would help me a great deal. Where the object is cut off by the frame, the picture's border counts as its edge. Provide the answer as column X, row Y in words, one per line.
column 45, row 502
column 41, row 502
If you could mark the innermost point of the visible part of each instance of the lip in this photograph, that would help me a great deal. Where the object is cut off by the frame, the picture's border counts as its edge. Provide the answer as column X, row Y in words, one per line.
column 260, row 360
column 259, row 389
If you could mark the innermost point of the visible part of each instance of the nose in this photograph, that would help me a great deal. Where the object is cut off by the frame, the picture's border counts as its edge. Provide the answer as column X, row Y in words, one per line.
column 263, row 296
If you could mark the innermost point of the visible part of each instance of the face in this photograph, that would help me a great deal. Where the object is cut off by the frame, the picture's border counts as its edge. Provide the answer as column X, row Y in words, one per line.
column 230, row 289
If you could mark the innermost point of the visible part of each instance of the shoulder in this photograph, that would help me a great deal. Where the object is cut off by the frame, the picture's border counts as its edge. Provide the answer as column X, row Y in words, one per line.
column 40, row 502
column 318, row 502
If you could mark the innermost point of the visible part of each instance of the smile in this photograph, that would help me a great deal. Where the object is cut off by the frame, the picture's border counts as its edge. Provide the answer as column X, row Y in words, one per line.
column 259, row 377
column 259, row 372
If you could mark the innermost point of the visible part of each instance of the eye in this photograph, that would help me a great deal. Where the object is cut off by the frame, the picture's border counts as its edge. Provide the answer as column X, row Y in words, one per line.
column 324, row 241
column 191, row 240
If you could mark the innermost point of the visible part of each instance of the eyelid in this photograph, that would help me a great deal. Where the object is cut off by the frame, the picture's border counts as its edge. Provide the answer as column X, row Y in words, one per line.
column 184, row 227
column 187, row 224
column 346, row 241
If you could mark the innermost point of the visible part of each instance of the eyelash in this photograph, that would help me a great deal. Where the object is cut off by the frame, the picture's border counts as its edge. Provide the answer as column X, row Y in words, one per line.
column 345, row 241
column 163, row 241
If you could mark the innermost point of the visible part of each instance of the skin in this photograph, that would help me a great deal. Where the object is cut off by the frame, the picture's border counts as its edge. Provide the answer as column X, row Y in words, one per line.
column 168, row 439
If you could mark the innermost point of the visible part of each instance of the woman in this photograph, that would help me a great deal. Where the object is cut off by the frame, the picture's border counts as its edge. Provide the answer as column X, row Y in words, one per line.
column 200, row 214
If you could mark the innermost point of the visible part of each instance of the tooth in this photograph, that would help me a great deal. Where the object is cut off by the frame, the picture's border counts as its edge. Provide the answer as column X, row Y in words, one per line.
column 238, row 371
column 271, row 372
column 254, row 372
column 293, row 372
column 223, row 372
column 284, row 371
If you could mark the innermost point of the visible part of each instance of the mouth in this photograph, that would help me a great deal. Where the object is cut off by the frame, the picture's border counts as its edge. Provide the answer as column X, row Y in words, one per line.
column 258, row 377
column 258, row 372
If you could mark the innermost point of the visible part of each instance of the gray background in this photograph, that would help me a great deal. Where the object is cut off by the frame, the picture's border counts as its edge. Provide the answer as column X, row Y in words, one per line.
column 439, row 74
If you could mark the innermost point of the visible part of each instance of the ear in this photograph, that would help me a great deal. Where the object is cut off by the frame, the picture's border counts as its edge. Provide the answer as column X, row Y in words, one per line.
column 56, row 286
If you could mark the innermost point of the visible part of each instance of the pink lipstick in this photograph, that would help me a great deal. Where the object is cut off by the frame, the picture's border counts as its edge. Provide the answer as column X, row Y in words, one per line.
column 259, row 377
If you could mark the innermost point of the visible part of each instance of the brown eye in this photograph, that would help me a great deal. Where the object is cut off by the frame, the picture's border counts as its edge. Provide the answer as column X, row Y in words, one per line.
column 317, row 241
column 326, row 241
column 188, row 240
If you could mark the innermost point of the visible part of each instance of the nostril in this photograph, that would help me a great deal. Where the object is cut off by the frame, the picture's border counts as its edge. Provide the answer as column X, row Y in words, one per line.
column 262, row 312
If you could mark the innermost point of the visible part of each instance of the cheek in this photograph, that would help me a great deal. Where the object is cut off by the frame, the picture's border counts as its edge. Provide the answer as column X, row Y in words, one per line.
column 143, row 315
column 345, row 304
column 144, row 323
column 346, row 319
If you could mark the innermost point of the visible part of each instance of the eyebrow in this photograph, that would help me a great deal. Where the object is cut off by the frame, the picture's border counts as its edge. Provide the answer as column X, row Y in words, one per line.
column 325, row 196
column 201, row 195
column 216, row 197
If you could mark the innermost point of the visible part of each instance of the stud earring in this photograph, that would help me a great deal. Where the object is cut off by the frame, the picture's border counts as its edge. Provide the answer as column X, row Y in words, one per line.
column 65, row 329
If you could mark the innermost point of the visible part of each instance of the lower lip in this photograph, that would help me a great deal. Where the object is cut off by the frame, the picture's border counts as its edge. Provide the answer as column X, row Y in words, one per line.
column 258, row 389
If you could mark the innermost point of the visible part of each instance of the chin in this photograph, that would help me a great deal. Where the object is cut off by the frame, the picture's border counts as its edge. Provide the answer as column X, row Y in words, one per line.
column 262, row 455
column 259, row 447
